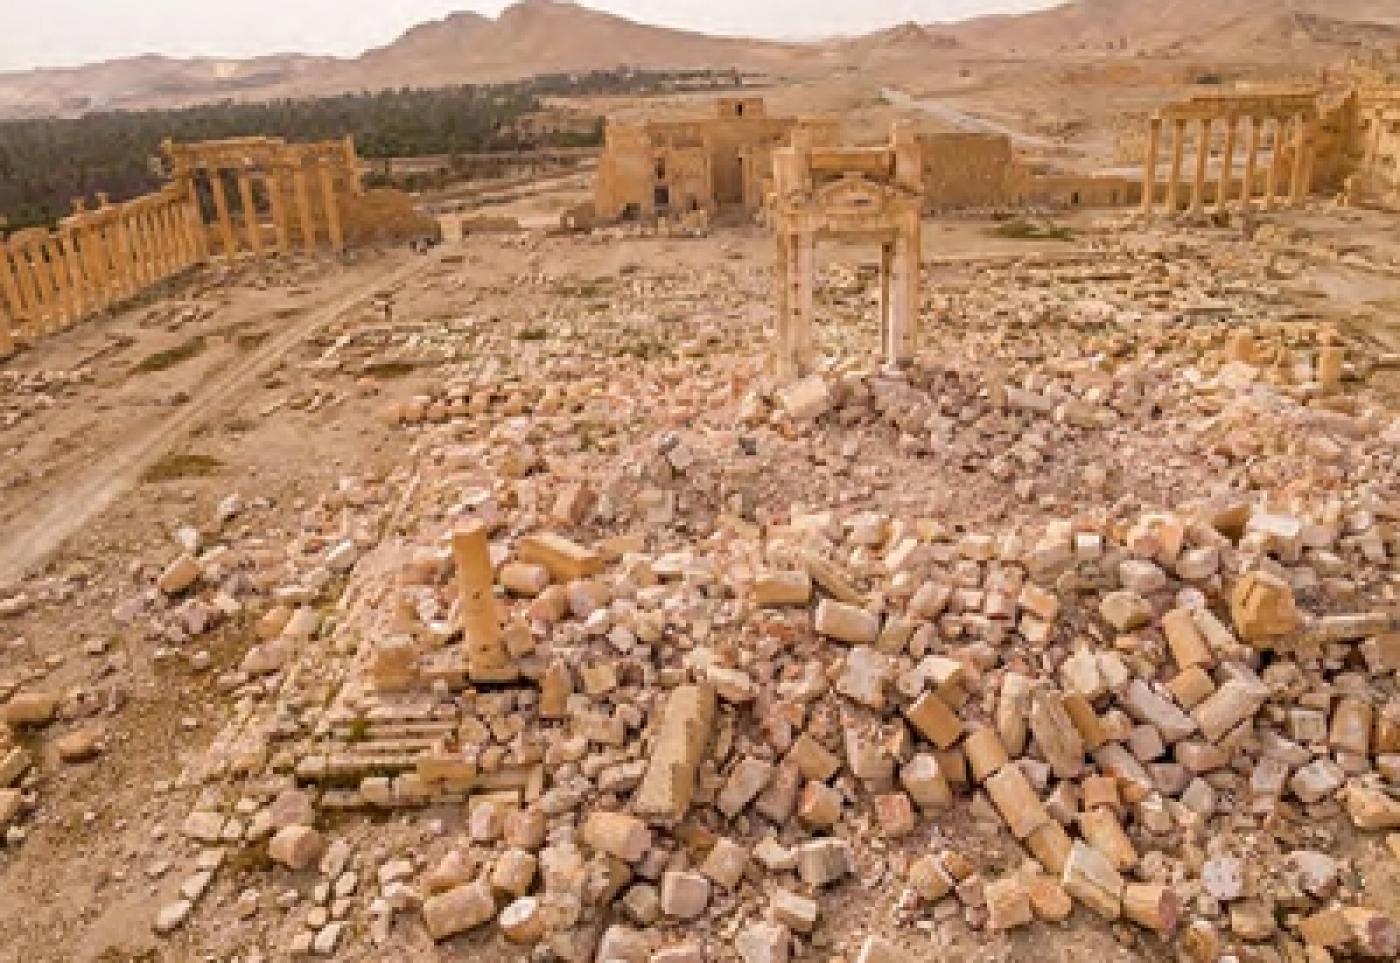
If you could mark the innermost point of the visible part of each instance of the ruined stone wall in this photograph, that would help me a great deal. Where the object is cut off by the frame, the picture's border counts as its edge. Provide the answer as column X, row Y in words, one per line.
column 971, row 170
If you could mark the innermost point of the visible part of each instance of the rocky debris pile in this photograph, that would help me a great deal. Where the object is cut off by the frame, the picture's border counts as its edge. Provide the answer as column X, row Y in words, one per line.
column 24, row 393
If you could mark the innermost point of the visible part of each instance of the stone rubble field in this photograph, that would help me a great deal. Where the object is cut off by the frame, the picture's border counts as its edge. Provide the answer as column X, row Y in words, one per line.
column 1077, row 639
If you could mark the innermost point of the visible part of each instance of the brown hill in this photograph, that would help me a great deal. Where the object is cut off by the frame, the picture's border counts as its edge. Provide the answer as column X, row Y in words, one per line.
column 548, row 36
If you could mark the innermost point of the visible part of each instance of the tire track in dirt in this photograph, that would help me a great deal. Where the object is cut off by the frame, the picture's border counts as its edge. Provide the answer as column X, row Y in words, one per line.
column 31, row 540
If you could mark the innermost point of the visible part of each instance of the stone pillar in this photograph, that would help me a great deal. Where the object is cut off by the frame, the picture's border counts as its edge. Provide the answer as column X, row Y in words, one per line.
column 1178, row 153
column 1371, row 170
column 332, row 206
column 487, row 658
column 194, row 223
column 303, row 202
column 1149, row 164
column 1198, row 185
column 172, row 212
column 1251, row 164
column 1297, row 186
column 33, row 306
column 274, row 183
column 352, row 167
column 1227, row 165
column 140, row 248
column 9, row 290
column 905, row 302
column 47, row 314
column 252, row 223
column 12, row 317
column 784, row 360
column 803, row 337
column 886, row 296
column 1275, row 175
column 80, row 291
column 226, row 236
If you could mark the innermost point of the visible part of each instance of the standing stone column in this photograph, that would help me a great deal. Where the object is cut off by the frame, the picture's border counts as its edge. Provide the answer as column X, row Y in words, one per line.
column 194, row 224
column 47, row 314
column 141, row 248
column 887, row 297
column 1178, row 155
column 1297, row 185
column 1198, row 185
column 13, row 316
column 1371, row 171
column 1275, row 176
column 274, row 184
column 1251, row 164
column 1149, row 164
column 1227, row 165
column 805, row 300
column 332, row 205
column 226, row 237
column 252, row 223
column 9, row 289
column 352, row 167
column 487, row 658
column 33, row 306
column 303, row 202
column 80, row 292
column 784, row 362
column 899, row 352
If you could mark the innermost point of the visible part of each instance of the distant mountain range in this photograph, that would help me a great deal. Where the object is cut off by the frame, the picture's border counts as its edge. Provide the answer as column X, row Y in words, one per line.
column 553, row 36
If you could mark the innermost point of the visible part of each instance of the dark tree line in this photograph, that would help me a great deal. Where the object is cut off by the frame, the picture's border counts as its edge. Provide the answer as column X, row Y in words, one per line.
column 44, row 163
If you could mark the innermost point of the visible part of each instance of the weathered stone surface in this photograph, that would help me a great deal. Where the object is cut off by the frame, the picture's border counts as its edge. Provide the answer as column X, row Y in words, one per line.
column 458, row 910
column 681, row 742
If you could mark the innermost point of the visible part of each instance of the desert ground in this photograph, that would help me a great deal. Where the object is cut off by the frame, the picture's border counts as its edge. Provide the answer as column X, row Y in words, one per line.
column 1076, row 640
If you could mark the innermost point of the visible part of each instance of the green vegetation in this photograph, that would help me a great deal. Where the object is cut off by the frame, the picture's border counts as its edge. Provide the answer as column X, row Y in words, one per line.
column 174, row 467
column 1023, row 230
column 44, row 163
column 170, row 357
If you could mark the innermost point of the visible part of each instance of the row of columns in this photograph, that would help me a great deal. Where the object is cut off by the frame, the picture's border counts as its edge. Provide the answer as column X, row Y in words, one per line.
column 1297, row 130
column 96, row 258
column 277, row 183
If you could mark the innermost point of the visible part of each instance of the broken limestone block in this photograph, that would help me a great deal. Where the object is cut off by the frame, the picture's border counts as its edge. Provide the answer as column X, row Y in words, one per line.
column 11, row 801
column 864, row 672
column 929, row 878
column 806, row 399
column 1228, row 706
column 813, row 759
column 566, row 560
column 172, row 916
column 776, row 589
column 684, row 895
column 522, row 921
column 617, row 834
column 179, row 575
column 1144, row 705
column 1263, row 610
column 1188, row 647
column 846, row 623
column 1102, row 830
column 1050, row 845
column 1125, row 611
column 726, row 862
column 458, row 910
column 1152, row 905
column 824, row 861
column 935, row 721
column 681, row 741
column 985, row 753
column 1056, row 734
column 1017, row 802
column 1089, row 877
column 1372, row 808
column 876, row 949
column 296, row 847
column 763, row 943
column 819, row 805
column 794, row 911
column 745, row 782
column 923, row 779
column 30, row 709
column 1049, row 901
column 1008, row 904
column 524, row 579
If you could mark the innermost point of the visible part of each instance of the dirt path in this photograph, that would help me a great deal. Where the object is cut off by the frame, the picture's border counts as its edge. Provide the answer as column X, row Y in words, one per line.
column 31, row 539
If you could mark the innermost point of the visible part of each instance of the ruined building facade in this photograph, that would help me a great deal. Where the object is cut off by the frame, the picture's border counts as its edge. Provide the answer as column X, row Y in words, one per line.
column 662, row 167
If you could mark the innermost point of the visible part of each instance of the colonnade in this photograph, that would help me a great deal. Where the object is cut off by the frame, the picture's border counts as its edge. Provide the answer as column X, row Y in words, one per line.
column 299, row 188
column 1287, row 168
column 97, row 257
column 1379, row 126
column 50, row 280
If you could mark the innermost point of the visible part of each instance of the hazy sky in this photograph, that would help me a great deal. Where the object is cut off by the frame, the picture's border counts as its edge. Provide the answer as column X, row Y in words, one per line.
column 59, row 33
